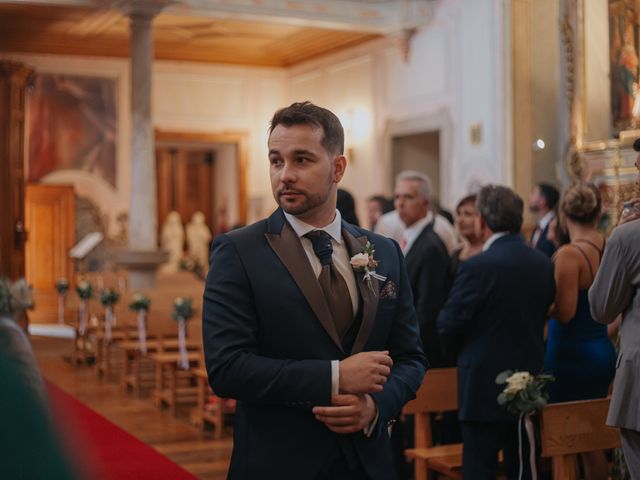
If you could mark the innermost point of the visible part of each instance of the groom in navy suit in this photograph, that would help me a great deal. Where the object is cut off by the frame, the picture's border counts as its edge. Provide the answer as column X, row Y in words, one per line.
column 322, row 350
column 495, row 318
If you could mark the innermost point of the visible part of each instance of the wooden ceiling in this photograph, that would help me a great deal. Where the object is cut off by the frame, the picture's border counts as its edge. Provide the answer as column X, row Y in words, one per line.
column 105, row 32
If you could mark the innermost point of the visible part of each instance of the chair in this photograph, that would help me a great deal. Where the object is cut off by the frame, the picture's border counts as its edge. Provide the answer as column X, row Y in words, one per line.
column 570, row 428
column 438, row 393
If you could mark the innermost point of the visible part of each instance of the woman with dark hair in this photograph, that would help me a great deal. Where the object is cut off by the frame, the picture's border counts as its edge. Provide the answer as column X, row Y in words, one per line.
column 579, row 353
column 466, row 222
column 347, row 207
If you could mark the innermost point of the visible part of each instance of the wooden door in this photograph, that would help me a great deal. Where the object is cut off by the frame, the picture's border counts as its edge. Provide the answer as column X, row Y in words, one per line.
column 50, row 221
column 13, row 81
column 185, row 183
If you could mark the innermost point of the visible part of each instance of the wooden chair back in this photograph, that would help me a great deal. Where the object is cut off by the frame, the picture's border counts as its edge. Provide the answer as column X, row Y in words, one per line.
column 570, row 428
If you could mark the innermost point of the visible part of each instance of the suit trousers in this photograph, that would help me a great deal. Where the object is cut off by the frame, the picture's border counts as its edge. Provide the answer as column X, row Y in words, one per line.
column 482, row 442
column 631, row 448
column 340, row 467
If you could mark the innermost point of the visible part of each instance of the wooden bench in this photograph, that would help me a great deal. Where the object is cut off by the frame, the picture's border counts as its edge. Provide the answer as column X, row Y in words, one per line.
column 207, row 412
column 139, row 370
column 167, row 389
column 571, row 428
column 438, row 393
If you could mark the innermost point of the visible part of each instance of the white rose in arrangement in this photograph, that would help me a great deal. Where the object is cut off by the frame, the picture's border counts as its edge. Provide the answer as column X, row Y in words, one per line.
column 518, row 381
column 178, row 301
column 360, row 260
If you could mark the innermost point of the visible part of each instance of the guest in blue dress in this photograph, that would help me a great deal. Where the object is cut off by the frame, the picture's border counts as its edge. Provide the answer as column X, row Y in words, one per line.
column 579, row 353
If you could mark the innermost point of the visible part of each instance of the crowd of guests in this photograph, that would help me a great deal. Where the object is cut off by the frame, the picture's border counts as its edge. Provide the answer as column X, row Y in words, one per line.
column 524, row 305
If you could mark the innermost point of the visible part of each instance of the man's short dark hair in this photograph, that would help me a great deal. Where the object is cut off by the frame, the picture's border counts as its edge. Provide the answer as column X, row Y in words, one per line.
column 306, row 113
column 501, row 208
column 550, row 194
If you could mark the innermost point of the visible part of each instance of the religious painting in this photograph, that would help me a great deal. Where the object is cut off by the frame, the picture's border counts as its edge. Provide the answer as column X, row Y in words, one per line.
column 623, row 47
column 72, row 126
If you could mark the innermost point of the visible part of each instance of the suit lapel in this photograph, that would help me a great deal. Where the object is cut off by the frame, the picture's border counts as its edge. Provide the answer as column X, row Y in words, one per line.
column 287, row 246
column 369, row 297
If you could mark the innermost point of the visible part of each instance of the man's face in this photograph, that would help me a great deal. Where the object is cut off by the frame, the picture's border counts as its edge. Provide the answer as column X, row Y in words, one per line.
column 409, row 205
column 536, row 201
column 467, row 221
column 304, row 176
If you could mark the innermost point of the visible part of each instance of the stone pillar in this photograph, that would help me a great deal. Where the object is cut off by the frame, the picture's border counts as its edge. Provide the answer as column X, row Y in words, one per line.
column 143, row 256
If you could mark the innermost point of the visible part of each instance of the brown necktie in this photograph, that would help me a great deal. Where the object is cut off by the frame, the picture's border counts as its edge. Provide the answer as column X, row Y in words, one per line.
column 333, row 286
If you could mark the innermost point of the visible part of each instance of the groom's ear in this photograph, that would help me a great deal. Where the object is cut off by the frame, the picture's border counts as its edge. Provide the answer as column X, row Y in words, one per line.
column 339, row 167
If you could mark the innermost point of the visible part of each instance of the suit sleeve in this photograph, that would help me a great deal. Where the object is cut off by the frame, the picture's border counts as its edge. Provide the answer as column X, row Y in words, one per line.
column 230, row 329
column 430, row 294
column 405, row 349
column 612, row 289
column 456, row 317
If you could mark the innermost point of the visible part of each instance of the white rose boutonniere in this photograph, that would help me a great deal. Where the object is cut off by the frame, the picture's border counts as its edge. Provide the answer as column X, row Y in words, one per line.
column 364, row 262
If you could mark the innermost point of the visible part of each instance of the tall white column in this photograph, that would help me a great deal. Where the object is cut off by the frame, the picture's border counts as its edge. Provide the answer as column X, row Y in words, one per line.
column 143, row 209
column 143, row 256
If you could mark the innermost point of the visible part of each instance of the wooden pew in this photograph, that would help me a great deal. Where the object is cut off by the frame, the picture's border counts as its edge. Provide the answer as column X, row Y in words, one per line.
column 571, row 428
column 438, row 393
column 205, row 411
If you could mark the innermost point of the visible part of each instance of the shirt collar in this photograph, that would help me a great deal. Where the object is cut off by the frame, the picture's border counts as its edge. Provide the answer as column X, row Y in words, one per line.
column 492, row 239
column 418, row 226
column 334, row 229
column 544, row 221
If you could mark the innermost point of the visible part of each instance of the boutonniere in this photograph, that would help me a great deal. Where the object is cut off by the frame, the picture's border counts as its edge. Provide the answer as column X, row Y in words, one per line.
column 364, row 262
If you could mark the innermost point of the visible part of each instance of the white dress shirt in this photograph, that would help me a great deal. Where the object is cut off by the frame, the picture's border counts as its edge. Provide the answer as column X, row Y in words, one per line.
column 410, row 234
column 391, row 226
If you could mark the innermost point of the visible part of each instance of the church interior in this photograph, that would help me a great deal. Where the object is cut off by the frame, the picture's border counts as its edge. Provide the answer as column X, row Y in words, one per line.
column 134, row 132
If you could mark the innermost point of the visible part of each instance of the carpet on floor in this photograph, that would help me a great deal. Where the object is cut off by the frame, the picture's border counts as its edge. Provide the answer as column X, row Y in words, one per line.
column 103, row 451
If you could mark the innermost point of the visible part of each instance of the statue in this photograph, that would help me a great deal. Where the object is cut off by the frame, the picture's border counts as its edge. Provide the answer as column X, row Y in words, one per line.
column 172, row 240
column 198, row 239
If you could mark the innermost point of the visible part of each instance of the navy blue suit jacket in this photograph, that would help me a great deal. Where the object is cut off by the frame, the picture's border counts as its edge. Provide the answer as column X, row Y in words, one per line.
column 545, row 246
column 495, row 316
column 269, row 338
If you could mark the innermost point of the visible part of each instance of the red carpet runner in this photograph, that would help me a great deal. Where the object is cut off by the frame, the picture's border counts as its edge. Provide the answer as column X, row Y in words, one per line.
column 104, row 451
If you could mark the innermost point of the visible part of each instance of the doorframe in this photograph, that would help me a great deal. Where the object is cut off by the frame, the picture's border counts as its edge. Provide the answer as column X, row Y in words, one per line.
column 439, row 121
column 239, row 139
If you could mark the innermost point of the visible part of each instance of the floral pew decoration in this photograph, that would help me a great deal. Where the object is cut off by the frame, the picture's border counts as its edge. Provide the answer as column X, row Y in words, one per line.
column 182, row 311
column 108, row 299
column 85, row 293
column 62, row 287
column 140, row 304
column 524, row 395
column 15, row 297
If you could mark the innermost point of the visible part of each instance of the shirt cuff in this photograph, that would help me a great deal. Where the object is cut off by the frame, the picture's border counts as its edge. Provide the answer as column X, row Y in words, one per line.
column 372, row 426
column 335, row 377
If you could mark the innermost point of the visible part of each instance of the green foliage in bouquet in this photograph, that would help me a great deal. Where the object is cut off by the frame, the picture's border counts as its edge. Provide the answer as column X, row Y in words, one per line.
column 109, row 297
column 62, row 286
column 84, row 290
column 182, row 308
column 524, row 393
column 140, row 302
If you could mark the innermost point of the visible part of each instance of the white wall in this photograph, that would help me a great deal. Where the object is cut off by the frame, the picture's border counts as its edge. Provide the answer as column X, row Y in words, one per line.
column 454, row 78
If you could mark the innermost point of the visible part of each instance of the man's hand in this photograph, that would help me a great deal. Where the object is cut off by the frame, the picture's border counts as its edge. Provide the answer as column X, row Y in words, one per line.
column 347, row 413
column 365, row 372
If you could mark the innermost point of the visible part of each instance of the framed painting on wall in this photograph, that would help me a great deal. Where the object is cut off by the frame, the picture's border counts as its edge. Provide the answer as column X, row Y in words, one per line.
column 73, row 126
column 624, row 37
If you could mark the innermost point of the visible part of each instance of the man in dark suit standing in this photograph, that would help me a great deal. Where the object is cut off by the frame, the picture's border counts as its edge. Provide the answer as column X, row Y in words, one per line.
column 308, row 322
column 495, row 317
column 428, row 262
column 542, row 203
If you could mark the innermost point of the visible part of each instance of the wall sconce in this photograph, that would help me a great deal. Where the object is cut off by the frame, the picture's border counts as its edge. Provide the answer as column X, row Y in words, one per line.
column 347, row 120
